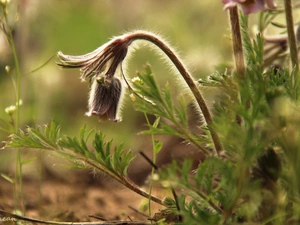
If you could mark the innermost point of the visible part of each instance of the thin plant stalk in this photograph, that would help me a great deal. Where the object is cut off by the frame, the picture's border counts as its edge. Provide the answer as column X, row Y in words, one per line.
column 154, row 162
column 18, row 175
column 188, row 79
column 155, row 168
column 291, row 36
column 237, row 41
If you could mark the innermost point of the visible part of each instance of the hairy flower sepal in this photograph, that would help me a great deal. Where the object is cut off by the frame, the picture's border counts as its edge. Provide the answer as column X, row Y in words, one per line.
column 105, row 59
column 104, row 98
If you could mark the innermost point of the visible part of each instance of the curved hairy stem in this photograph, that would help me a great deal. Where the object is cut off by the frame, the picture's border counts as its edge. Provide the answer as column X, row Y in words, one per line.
column 141, row 35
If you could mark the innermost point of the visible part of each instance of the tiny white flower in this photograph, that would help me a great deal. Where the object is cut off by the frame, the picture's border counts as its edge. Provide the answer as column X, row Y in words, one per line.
column 10, row 110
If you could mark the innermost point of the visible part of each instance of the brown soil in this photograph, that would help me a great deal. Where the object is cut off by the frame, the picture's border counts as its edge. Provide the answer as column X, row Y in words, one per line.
column 75, row 199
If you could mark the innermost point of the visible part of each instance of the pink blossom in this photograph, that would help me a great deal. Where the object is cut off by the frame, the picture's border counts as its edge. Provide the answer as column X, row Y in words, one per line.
column 250, row 6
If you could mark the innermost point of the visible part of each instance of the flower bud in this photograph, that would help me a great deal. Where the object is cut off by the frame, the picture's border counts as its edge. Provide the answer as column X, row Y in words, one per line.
column 4, row 3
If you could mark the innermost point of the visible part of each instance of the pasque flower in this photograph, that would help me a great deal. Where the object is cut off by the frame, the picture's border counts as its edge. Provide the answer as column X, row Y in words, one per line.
column 250, row 6
column 101, row 66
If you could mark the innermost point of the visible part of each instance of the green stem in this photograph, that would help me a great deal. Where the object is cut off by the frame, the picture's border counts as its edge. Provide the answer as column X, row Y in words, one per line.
column 18, row 176
column 291, row 35
column 237, row 41
column 141, row 35
column 155, row 168
column 154, row 162
column 16, row 61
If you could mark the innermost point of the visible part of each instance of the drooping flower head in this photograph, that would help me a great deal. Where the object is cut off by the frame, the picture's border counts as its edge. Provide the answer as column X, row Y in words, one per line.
column 101, row 66
column 250, row 6
column 104, row 99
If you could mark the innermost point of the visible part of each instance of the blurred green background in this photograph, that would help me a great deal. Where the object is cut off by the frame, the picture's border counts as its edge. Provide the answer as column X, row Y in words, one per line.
column 197, row 29
column 194, row 28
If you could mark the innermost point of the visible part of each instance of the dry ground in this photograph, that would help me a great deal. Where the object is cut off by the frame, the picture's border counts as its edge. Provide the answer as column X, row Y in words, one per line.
column 75, row 198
